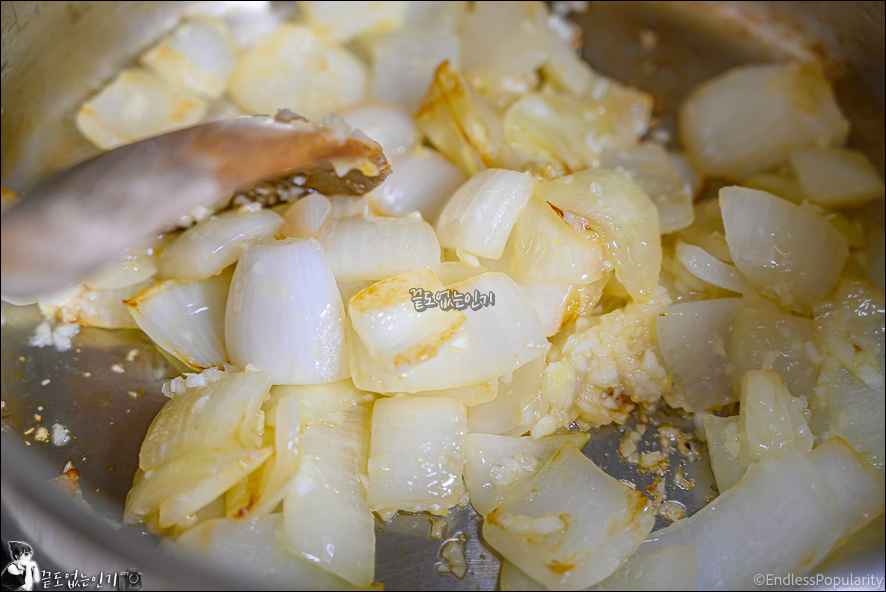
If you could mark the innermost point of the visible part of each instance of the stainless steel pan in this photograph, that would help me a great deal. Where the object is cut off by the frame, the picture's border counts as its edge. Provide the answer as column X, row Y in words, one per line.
column 54, row 54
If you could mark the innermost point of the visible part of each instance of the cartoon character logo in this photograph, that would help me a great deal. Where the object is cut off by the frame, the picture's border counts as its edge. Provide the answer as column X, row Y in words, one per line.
column 22, row 573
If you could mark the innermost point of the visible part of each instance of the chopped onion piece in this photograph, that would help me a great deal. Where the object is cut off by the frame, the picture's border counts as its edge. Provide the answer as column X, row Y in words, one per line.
column 571, row 524
column 376, row 248
column 836, row 176
column 621, row 214
column 724, row 448
column 198, row 56
column 859, row 487
column 770, row 418
column 453, row 272
column 285, row 314
column 551, row 302
column 435, row 14
column 177, row 489
column 342, row 21
column 792, row 255
column 670, row 569
column 252, row 546
column 692, row 181
column 186, row 320
column 395, row 327
column 694, row 337
column 392, row 128
column 404, row 63
column 502, row 40
column 707, row 230
column 780, row 183
column 495, row 464
column 498, row 339
column 135, row 105
column 422, row 181
column 547, row 249
column 479, row 217
column 518, row 406
column 783, row 503
column 327, row 518
column 769, row 339
column 296, row 69
column 458, row 123
column 102, row 308
column 417, row 455
column 469, row 396
column 133, row 266
column 748, row 119
column 649, row 165
column 305, row 217
column 326, row 403
column 210, row 246
column 708, row 268
column 222, row 413
column 284, row 465
column 350, row 289
column 345, row 206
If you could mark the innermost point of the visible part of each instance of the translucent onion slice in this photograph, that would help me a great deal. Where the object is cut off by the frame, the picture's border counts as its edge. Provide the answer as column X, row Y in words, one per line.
column 458, row 123
column 505, row 39
column 494, row 464
column 564, row 67
column 546, row 249
column 649, row 165
column 771, row 505
column 392, row 128
column 210, row 246
column 770, row 418
column 404, row 63
column 724, row 448
column 570, row 525
column 469, row 396
column 853, row 411
column 395, row 327
column 251, row 546
column 222, row 414
column 781, row 183
column 296, row 69
column 858, row 486
column 850, row 328
column 708, row 268
column 327, row 518
column 417, row 455
column 479, row 217
column 707, row 230
column 197, row 56
column 748, row 119
column 344, row 21
column 181, row 487
column 350, row 289
column 135, row 105
column 836, row 176
column 694, row 338
column 186, row 320
column 285, row 314
column 345, row 206
column 102, row 308
column 326, row 403
column 789, row 253
column 498, row 339
column 692, row 181
column 518, row 406
column 377, row 248
column 556, row 133
column 452, row 272
column 305, row 217
column 670, row 569
column 132, row 267
column 281, row 468
column 769, row 339
column 611, row 205
column 551, row 302
column 421, row 181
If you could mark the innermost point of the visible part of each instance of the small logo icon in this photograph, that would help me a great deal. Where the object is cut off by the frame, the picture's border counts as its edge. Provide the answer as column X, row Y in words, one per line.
column 22, row 573
column 131, row 579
